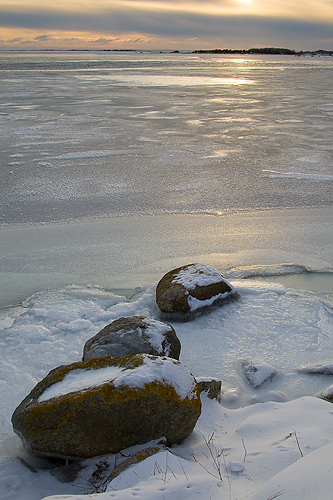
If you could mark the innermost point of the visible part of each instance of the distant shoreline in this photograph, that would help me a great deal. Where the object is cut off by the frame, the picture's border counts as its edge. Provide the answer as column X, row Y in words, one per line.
column 268, row 51
column 252, row 51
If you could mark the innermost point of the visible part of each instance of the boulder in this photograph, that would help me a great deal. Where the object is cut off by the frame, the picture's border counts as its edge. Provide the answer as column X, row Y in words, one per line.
column 134, row 335
column 212, row 386
column 184, row 292
column 103, row 405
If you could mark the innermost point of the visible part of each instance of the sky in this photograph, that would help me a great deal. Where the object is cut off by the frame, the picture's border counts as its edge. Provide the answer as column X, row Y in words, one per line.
column 166, row 24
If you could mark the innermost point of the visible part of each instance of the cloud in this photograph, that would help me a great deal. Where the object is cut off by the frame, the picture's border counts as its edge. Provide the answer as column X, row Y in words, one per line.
column 107, row 26
column 43, row 38
column 103, row 40
column 184, row 24
column 15, row 40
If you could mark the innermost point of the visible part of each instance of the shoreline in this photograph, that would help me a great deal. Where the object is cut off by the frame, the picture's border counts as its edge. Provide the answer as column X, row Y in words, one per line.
column 270, row 51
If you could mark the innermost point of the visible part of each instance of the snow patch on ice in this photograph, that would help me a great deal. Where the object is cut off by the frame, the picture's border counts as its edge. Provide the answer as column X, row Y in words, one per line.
column 93, row 154
column 257, row 371
column 324, row 369
column 273, row 174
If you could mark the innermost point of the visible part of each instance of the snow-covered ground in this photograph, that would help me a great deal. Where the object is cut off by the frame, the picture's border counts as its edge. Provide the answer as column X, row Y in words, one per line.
column 235, row 449
column 259, row 452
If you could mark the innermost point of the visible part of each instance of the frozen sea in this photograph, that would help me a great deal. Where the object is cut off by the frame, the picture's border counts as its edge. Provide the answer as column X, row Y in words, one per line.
column 118, row 167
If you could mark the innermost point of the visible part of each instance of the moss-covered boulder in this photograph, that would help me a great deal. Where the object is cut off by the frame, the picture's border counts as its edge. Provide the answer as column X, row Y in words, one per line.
column 187, row 290
column 103, row 405
column 134, row 335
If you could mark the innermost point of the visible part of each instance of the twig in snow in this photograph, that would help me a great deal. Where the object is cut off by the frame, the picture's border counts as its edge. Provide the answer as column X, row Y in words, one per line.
column 215, row 457
column 276, row 495
column 298, row 444
column 244, row 450
column 297, row 441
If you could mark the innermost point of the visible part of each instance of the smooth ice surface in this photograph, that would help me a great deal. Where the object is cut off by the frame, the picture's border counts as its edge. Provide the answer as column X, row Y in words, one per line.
column 85, row 135
column 129, row 252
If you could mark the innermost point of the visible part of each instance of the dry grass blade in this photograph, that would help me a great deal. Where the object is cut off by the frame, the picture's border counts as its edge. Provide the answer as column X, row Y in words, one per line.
column 276, row 495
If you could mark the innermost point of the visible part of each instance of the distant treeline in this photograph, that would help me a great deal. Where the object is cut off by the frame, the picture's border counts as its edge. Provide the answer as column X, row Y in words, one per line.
column 267, row 50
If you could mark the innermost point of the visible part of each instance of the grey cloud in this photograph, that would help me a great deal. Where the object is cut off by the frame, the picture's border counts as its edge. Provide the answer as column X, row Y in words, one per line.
column 175, row 25
column 104, row 40
column 27, row 42
column 43, row 38
column 15, row 40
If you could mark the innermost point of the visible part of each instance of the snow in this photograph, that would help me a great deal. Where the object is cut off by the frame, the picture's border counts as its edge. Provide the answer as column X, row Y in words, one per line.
column 327, row 392
column 285, row 328
column 197, row 275
column 325, row 369
column 156, row 331
column 247, row 453
column 304, row 480
column 206, row 379
column 78, row 380
column 258, row 441
column 197, row 303
column 257, row 371
column 200, row 275
column 152, row 369
column 297, row 175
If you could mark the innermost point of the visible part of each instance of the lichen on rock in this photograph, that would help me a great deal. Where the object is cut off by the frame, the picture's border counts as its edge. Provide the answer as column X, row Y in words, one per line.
column 103, row 405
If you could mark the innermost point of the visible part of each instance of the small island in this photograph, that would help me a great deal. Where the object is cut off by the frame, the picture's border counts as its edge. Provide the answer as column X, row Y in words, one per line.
column 267, row 51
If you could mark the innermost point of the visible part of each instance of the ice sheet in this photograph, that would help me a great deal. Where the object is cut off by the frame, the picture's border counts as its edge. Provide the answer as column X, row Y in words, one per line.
column 129, row 252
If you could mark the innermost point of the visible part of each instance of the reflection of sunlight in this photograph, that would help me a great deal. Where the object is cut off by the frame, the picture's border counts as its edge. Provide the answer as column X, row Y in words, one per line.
column 239, row 60
column 183, row 81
